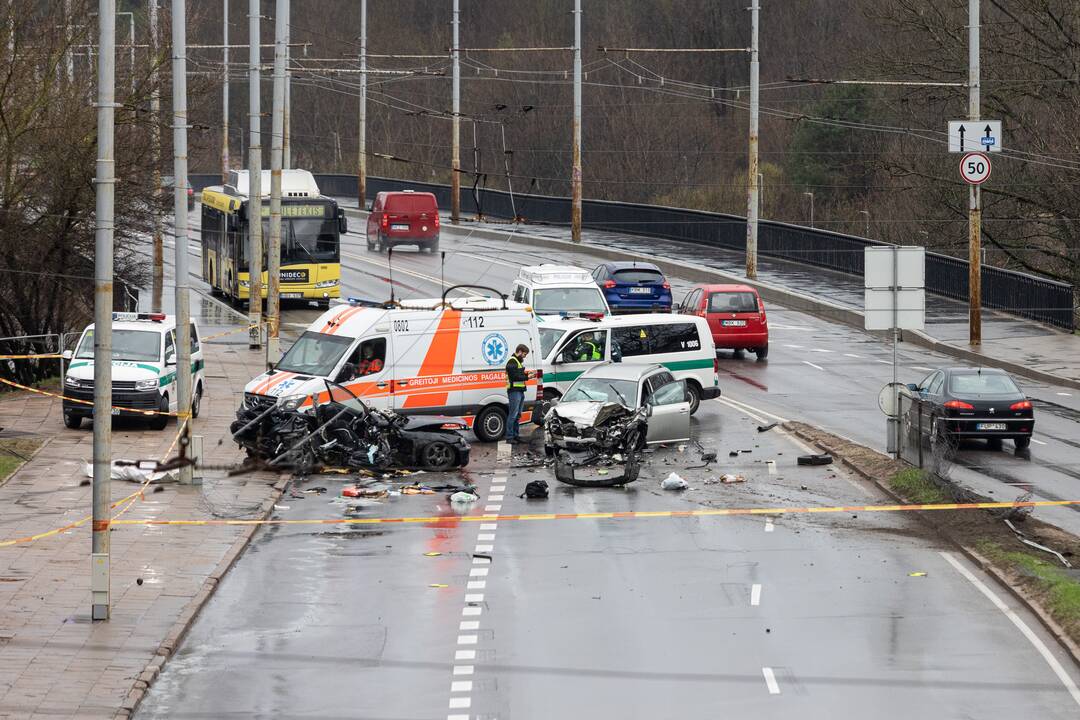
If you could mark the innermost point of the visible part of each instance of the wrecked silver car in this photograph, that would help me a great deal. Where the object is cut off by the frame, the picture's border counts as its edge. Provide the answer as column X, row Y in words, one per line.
column 608, row 416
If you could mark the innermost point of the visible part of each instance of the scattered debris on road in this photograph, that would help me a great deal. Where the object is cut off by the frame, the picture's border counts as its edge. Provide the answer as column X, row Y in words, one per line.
column 535, row 490
column 673, row 482
column 820, row 459
column 766, row 428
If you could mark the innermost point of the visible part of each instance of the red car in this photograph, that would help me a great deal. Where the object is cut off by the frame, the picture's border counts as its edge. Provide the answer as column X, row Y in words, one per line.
column 403, row 218
column 736, row 316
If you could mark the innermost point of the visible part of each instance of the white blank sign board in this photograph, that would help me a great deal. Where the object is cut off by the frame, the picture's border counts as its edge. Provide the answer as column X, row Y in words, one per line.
column 878, row 264
column 908, row 296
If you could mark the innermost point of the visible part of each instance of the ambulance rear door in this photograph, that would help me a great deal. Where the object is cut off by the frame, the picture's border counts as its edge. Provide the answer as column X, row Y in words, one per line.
column 488, row 339
column 426, row 381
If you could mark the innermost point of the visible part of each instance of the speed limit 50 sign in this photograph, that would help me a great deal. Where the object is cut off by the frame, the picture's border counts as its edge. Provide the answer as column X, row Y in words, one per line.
column 975, row 168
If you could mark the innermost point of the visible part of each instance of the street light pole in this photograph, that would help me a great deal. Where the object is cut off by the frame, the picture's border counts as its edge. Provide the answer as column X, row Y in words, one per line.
column 158, row 282
column 286, row 137
column 575, row 176
column 103, row 298
column 277, row 153
column 752, row 164
column 180, row 210
column 811, row 195
column 361, row 154
column 224, row 91
column 455, row 120
column 254, row 182
column 866, row 214
column 974, row 194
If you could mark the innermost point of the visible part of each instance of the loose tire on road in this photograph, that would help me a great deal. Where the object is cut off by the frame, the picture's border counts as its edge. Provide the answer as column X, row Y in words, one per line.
column 438, row 456
column 490, row 424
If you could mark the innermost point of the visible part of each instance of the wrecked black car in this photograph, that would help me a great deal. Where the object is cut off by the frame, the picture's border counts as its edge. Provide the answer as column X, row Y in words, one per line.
column 345, row 432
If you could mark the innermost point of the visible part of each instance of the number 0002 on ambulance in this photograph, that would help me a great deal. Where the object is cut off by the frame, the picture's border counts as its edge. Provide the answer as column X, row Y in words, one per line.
column 422, row 357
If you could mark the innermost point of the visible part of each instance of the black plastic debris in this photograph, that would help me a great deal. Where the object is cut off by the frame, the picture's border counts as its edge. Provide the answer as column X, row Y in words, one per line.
column 766, row 428
column 535, row 490
column 822, row 459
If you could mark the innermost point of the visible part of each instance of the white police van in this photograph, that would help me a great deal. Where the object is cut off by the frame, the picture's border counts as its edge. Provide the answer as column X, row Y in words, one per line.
column 559, row 290
column 143, row 370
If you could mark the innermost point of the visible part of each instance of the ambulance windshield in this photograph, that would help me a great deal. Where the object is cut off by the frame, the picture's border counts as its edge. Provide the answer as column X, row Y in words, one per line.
column 569, row 299
column 315, row 354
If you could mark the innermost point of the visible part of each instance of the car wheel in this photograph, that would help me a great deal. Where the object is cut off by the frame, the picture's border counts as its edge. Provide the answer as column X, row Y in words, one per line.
column 762, row 352
column 490, row 424
column 382, row 245
column 695, row 396
column 1021, row 442
column 433, row 246
column 72, row 421
column 160, row 421
column 438, row 456
column 196, row 401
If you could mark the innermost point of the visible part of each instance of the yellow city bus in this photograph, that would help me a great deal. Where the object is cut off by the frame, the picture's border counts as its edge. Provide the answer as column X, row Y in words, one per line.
column 311, row 229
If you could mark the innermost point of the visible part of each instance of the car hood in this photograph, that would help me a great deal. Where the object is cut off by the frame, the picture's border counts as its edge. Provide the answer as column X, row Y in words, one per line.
column 121, row 370
column 589, row 413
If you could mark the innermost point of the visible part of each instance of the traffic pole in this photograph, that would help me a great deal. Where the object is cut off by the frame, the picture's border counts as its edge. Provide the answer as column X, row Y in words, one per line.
column 255, row 251
column 277, row 152
column 180, row 172
column 157, row 284
column 103, row 298
column 455, row 120
column 361, row 154
column 974, row 192
column 575, row 172
column 224, row 91
column 752, row 164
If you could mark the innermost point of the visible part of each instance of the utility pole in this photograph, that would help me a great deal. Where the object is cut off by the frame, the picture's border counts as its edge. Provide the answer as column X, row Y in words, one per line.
column 361, row 154
column 286, row 140
column 752, row 164
column 575, row 173
column 158, row 283
column 255, row 251
column 131, row 48
column 811, row 195
column 974, row 193
column 455, row 120
column 103, row 298
column 277, row 152
column 224, row 91
column 180, row 264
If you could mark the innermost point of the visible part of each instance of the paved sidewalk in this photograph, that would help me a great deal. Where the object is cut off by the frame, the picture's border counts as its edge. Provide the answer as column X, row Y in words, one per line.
column 53, row 661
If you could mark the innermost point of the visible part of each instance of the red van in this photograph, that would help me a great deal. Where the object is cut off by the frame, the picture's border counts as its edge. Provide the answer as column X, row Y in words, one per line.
column 403, row 218
column 736, row 316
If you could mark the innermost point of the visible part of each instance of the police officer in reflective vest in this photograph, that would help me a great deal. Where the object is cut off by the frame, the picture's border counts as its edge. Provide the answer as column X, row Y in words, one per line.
column 516, row 377
column 588, row 349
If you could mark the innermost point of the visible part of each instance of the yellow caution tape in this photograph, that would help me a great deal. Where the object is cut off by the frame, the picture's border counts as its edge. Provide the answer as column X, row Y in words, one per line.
column 14, row 384
column 31, row 357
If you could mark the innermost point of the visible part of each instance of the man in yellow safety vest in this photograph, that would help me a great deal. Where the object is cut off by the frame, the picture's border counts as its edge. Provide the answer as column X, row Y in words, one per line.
column 516, row 377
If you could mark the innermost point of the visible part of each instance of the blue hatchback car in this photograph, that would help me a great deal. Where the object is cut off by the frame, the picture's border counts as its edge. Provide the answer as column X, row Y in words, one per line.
column 633, row 287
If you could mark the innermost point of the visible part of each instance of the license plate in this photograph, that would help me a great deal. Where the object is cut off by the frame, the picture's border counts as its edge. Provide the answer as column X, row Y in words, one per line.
column 733, row 323
column 640, row 291
column 399, row 226
column 116, row 411
column 292, row 296
column 990, row 426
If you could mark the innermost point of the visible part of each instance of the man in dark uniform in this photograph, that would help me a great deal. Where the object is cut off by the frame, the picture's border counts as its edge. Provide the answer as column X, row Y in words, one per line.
column 516, row 377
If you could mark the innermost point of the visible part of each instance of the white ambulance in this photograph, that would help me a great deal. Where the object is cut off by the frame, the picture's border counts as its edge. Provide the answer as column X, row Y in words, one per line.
column 559, row 290
column 417, row 357
column 143, row 369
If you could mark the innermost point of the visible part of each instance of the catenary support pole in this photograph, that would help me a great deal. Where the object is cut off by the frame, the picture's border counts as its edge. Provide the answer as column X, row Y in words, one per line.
column 974, row 194
column 575, row 172
column 455, row 120
column 157, row 283
column 361, row 153
column 286, row 138
column 277, row 152
column 255, row 251
column 225, row 91
column 180, row 172
column 103, row 299
column 752, row 164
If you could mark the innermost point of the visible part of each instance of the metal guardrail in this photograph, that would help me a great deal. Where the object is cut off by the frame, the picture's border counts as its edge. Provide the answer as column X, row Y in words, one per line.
column 1018, row 293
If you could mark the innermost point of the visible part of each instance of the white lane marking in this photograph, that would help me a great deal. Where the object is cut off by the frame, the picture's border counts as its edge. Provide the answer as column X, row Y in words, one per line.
column 1016, row 620
column 467, row 639
column 478, row 572
column 795, row 347
column 488, row 259
column 770, row 680
column 853, row 355
column 820, row 350
column 471, row 611
column 457, row 717
column 807, row 362
column 465, row 655
column 755, row 594
column 1063, row 394
column 477, row 585
column 489, row 526
column 1039, row 442
column 495, row 498
column 461, row 686
column 481, row 561
column 492, row 508
column 463, row 669
column 739, row 405
column 399, row 269
column 921, row 368
column 886, row 362
column 487, row 537
column 497, row 489
column 469, row 625
column 771, row 464
column 484, row 548
column 458, row 703
column 474, row 598
column 769, row 527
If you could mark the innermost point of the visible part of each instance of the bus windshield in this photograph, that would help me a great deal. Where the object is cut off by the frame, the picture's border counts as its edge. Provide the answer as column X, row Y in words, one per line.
column 132, row 345
column 306, row 240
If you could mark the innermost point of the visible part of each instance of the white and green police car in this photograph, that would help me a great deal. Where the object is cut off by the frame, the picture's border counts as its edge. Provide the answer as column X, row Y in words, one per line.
column 143, row 369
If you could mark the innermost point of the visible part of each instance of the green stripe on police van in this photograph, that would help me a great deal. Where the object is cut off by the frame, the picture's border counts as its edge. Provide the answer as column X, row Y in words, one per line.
column 674, row 366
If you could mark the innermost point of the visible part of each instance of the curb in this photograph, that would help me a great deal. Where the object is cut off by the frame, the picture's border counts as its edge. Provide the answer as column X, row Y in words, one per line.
column 780, row 295
column 48, row 439
column 1048, row 623
column 191, row 611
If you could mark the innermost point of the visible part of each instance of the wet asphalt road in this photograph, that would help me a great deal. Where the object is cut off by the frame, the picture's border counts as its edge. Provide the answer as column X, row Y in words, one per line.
column 628, row 618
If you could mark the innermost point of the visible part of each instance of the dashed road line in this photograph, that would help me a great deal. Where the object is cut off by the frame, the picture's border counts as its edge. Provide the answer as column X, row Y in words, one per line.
column 793, row 347
column 921, row 368
column 884, row 362
column 769, row 527
column 770, row 680
column 820, row 350
column 807, row 362
column 853, row 355
column 1065, row 394
column 755, row 594
column 1037, row 442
